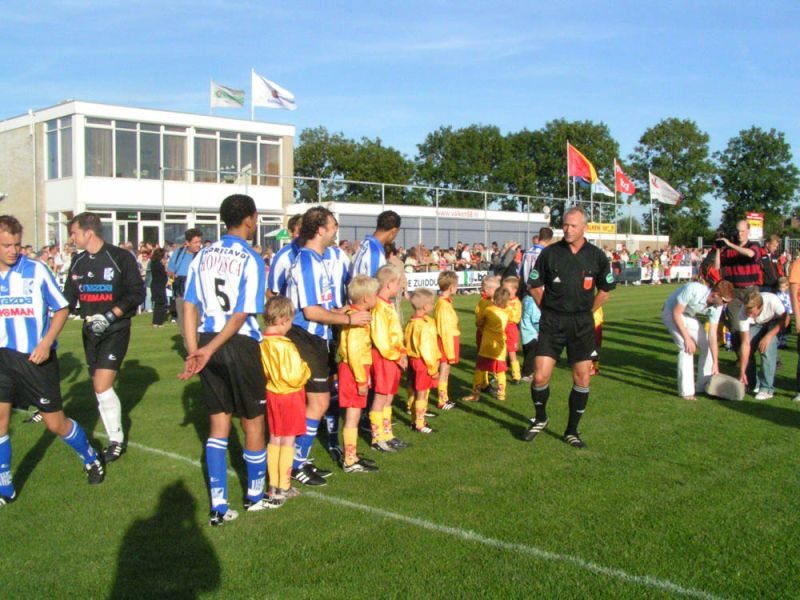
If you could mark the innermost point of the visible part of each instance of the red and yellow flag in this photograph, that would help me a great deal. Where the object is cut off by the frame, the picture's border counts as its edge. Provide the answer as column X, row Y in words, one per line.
column 579, row 166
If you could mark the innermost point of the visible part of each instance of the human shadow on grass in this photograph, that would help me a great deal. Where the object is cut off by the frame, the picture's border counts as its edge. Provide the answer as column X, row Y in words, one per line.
column 786, row 417
column 637, row 370
column 167, row 555
column 70, row 365
column 195, row 413
column 177, row 346
column 132, row 383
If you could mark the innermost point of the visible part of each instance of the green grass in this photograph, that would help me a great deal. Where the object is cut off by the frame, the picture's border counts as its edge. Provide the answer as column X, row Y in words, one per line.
column 703, row 495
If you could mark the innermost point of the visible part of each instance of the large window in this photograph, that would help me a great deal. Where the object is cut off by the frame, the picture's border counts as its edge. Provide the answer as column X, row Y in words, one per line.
column 59, row 148
column 99, row 148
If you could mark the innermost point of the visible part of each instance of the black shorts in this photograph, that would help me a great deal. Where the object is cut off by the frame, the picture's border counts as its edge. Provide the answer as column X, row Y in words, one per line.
column 573, row 330
column 333, row 350
column 24, row 383
column 233, row 380
column 314, row 350
column 108, row 350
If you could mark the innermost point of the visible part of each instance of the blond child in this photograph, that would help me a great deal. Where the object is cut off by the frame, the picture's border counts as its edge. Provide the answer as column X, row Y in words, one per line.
column 492, row 352
column 449, row 334
column 355, row 366
column 489, row 285
column 423, row 355
column 514, row 310
column 286, row 374
column 388, row 359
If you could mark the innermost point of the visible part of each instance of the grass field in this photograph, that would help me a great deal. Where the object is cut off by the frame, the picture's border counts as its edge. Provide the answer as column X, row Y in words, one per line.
column 671, row 499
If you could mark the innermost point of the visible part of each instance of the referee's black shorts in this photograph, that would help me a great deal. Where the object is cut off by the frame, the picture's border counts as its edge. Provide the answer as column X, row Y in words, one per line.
column 573, row 330
column 24, row 383
column 233, row 380
column 314, row 350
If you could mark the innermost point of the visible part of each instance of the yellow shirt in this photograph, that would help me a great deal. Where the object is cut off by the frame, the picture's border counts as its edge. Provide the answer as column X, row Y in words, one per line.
column 514, row 310
column 493, row 339
column 447, row 326
column 479, row 308
column 421, row 342
column 286, row 372
column 386, row 331
column 355, row 348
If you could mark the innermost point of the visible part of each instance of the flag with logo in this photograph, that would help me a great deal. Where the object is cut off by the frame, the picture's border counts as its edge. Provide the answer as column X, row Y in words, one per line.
column 598, row 187
column 225, row 96
column 269, row 94
column 622, row 183
column 579, row 166
column 663, row 192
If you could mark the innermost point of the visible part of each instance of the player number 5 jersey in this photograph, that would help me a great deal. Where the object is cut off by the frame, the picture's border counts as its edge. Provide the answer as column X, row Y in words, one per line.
column 225, row 278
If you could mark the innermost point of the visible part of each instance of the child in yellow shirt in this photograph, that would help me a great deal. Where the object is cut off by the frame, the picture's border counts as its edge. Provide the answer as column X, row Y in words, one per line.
column 423, row 354
column 286, row 375
column 514, row 310
column 488, row 286
column 388, row 359
column 447, row 329
column 355, row 367
column 492, row 352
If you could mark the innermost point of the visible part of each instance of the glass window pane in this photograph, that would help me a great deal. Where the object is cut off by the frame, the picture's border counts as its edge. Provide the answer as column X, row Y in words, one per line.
column 52, row 154
column 149, row 127
column 149, row 155
column 270, row 164
column 66, row 121
column 95, row 121
column 174, row 158
column 126, row 154
column 98, row 152
column 228, row 135
column 205, row 160
column 52, row 125
column 175, row 128
column 66, row 152
column 252, row 137
column 248, row 158
column 210, row 231
column 227, row 160
column 126, row 125
column 210, row 132
column 173, row 232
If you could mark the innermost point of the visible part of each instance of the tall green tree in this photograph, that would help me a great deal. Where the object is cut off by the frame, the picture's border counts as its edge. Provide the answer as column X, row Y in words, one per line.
column 546, row 148
column 677, row 151
column 756, row 173
column 469, row 159
column 320, row 154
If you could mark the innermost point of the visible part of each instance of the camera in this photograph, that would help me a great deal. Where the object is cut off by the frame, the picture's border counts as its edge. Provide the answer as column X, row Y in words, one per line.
column 731, row 236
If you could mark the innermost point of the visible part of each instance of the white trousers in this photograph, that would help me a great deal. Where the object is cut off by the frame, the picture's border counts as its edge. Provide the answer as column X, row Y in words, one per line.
column 686, row 382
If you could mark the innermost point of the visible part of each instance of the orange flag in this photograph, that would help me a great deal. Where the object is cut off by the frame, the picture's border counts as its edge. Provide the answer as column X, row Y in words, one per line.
column 579, row 166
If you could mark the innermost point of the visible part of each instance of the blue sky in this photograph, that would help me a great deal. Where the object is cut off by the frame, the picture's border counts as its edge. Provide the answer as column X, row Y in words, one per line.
column 400, row 70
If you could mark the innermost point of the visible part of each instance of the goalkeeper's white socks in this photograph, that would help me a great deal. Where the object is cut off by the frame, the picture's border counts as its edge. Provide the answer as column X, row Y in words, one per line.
column 111, row 413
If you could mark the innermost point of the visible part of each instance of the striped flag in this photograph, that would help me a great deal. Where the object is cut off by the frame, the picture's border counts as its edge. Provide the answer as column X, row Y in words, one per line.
column 579, row 166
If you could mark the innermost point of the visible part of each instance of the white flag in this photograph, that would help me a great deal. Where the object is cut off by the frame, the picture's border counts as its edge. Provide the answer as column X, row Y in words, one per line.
column 598, row 187
column 663, row 192
column 270, row 94
column 225, row 96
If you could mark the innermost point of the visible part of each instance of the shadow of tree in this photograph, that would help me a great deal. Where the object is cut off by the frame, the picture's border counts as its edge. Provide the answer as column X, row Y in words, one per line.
column 167, row 555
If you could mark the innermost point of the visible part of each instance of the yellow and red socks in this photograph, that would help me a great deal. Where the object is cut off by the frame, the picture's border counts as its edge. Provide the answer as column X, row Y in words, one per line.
column 421, row 405
column 444, row 396
column 376, row 425
column 410, row 401
column 217, row 466
column 388, row 434
column 501, row 384
column 256, row 472
column 273, row 458
column 516, row 373
column 350, row 435
column 285, row 467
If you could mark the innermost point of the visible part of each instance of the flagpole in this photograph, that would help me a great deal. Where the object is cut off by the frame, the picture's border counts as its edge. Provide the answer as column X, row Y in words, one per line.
column 567, row 169
column 252, row 97
column 211, row 99
column 615, row 204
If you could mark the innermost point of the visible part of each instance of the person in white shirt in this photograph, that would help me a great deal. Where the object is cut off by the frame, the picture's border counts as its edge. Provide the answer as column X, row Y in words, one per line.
column 684, row 315
column 760, row 319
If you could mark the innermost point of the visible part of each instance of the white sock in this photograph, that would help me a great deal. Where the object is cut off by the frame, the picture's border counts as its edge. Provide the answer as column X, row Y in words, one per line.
column 111, row 414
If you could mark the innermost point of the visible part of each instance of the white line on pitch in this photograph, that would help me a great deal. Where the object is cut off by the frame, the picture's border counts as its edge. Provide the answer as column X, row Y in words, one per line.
column 472, row 536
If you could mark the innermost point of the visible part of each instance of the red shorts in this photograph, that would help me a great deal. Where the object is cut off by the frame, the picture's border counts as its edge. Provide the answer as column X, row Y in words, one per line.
column 385, row 374
column 286, row 413
column 348, row 388
column 512, row 337
column 491, row 365
column 418, row 377
column 456, row 346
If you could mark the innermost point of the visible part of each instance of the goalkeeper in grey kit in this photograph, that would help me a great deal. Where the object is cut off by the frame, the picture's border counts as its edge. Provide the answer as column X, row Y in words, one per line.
column 105, row 280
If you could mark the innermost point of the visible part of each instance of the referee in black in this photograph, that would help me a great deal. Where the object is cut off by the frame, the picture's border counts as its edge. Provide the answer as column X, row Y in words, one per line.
column 570, row 280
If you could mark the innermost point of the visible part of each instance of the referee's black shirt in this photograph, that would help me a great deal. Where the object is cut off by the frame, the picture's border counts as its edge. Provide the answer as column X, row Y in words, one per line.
column 569, row 279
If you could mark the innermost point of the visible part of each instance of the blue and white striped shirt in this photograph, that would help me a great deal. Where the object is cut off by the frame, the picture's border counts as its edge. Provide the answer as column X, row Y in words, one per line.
column 338, row 264
column 225, row 278
column 280, row 265
column 28, row 292
column 370, row 257
column 310, row 285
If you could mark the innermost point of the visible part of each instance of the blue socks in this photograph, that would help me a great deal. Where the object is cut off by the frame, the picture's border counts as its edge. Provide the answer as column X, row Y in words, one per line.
column 76, row 439
column 256, row 473
column 217, row 465
column 332, row 419
column 302, row 447
column 6, row 485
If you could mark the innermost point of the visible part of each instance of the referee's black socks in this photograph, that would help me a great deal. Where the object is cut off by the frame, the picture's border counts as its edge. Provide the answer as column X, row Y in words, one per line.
column 539, row 395
column 578, row 398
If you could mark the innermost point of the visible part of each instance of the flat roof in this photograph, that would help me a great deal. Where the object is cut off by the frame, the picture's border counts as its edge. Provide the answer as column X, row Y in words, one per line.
column 129, row 113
